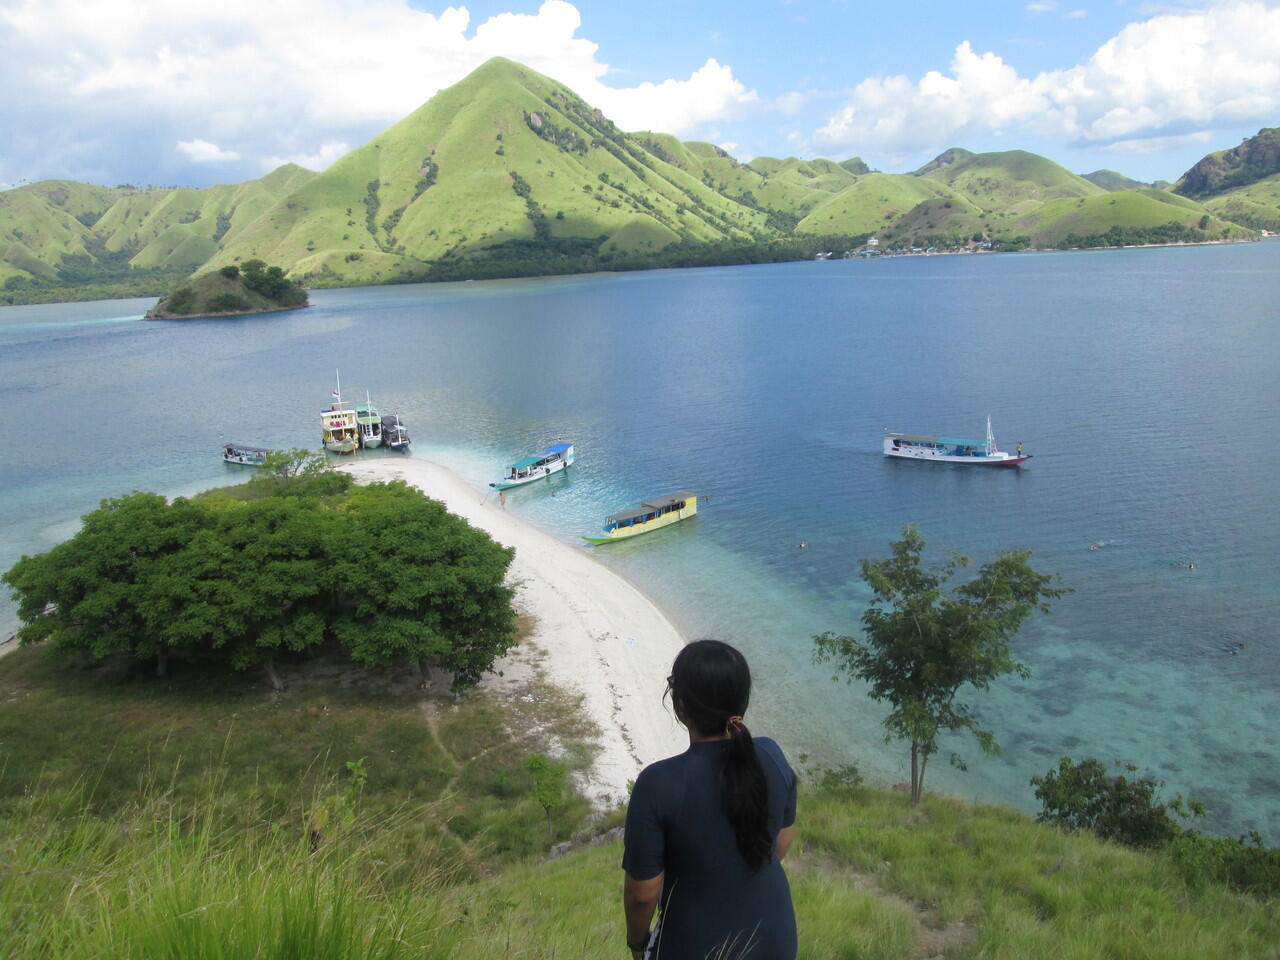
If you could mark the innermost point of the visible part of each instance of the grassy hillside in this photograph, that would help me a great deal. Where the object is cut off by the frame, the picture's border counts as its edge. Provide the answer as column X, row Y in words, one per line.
column 1110, row 180
column 56, row 233
column 508, row 173
column 355, row 815
column 1010, row 183
column 1131, row 217
column 1255, row 205
column 1257, row 158
column 873, row 202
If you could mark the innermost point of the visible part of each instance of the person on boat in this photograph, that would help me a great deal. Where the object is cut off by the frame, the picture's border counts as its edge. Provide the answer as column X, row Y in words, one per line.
column 1019, row 448
column 707, row 830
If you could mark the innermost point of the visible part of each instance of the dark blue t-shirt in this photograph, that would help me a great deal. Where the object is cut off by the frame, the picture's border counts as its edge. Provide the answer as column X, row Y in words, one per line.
column 711, row 898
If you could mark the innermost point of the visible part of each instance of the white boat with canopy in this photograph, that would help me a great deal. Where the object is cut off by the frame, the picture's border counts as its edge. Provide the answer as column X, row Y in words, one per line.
column 953, row 449
column 542, row 464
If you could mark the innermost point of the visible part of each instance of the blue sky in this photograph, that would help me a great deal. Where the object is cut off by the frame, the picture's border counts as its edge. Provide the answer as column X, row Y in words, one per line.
column 174, row 92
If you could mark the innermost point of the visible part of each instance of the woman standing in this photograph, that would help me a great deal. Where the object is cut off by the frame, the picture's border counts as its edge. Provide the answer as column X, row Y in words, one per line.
column 707, row 830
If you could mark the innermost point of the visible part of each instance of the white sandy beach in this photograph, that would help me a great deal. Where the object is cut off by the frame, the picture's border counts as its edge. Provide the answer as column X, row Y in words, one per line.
column 599, row 635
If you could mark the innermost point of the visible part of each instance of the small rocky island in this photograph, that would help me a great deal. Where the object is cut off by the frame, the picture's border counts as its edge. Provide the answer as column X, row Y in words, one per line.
column 251, row 287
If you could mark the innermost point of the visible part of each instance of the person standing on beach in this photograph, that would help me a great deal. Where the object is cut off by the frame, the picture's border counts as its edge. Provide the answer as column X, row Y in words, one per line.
column 707, row 830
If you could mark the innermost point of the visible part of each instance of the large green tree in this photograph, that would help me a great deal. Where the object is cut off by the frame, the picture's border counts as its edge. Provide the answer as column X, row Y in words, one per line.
column 91, row 592
column 415, row 581
column 922, row 644
column 383, row 569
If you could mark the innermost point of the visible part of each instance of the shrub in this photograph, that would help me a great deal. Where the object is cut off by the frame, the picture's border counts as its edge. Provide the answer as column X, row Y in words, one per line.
column 230, row 271
column 1080, row 796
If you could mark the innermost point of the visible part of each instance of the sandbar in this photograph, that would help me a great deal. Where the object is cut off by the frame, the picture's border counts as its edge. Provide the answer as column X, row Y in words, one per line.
column 598, row 635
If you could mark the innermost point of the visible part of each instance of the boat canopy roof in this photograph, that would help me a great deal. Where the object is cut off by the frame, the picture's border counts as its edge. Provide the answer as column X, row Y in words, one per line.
column 954, row 441
column 651, row 506
column 670, row 500
column 246, row 448
column 542, row 455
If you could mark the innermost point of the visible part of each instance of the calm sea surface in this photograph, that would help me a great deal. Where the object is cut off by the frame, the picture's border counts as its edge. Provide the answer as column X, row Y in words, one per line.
column 1146, row 383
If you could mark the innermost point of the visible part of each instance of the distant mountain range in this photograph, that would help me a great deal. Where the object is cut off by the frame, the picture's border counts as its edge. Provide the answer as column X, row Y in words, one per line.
column 510, row 173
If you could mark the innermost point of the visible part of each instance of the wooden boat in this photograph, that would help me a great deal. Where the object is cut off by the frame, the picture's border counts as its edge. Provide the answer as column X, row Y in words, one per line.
column 542, row 464
column 246, row 455
column 394, row 435
column 339, row 431
column 953, row 449
column 368, row 424
column 649, row 516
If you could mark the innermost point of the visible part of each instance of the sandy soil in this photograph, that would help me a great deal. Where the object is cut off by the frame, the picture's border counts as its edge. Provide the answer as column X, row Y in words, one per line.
column 597, row 635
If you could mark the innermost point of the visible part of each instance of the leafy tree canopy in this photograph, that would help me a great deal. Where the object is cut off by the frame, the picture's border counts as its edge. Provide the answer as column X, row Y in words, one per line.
column 387, row 572
column 922, row 644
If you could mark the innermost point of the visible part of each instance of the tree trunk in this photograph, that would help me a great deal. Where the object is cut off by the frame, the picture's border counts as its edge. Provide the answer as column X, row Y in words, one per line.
column 269, row 666
column 424, row 674
column 162, row 661
column 924, row 762
column 915, row 771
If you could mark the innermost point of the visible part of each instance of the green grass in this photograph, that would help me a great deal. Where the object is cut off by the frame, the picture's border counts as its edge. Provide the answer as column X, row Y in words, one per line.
column 1256, row 205
column 1134, row 209
column 145, row 818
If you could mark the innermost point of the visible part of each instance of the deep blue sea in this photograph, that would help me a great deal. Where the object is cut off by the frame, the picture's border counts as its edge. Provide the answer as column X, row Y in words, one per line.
column 1145, row 382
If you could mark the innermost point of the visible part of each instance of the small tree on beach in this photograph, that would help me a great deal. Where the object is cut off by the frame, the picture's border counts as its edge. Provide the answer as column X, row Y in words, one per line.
column 921, row 644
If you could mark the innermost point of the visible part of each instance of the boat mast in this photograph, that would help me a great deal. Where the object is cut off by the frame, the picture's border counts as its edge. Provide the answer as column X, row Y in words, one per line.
column 991, row 439
column 338, row 378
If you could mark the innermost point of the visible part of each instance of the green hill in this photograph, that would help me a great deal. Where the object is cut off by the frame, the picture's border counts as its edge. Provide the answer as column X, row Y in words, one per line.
column 1110, row 180
column 1011, row 183
column 1118, row 219
column 508, row 173
column 1255, row 205
column 230, row 292
column 874, row 202
column 1257, row 158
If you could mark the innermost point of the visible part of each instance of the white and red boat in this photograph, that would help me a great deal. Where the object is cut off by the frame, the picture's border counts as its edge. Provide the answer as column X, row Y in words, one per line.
column 952, row 449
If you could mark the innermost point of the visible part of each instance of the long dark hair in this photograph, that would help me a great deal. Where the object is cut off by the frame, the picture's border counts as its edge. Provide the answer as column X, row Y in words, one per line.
column 710, row 687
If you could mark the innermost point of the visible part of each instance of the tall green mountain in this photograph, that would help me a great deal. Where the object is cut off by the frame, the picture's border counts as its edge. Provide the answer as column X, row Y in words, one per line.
column 508, row 172
column 1257, row 158
column 1241, row 184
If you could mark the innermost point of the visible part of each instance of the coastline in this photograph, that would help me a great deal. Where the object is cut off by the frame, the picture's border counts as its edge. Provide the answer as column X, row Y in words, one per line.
column 595, row 634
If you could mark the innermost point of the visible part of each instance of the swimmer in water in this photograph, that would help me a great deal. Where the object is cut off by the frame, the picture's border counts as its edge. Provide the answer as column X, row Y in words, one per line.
column 1095, row 546
column 802, row 544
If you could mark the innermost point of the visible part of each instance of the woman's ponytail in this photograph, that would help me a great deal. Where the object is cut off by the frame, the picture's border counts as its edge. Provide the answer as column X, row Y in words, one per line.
column 709, row 682
column 746, row 795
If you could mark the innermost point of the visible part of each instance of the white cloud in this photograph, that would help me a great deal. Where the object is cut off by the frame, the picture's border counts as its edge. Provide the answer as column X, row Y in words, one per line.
column 278, row 78
column 202, row 151
column 1075, row 14
column 317, row 160
column 1170, row 75
column 1041, row 6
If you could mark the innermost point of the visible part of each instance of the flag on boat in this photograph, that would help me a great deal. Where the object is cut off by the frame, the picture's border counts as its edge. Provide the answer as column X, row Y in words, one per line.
column 336, row 395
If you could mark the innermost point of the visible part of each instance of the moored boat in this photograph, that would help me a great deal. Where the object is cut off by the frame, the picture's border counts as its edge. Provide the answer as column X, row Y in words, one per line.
column 368, row 424
column 953, row 449
column 649, row 516
column 394, row 434
column 542, row 464
column 243, row 454
column 339, row 431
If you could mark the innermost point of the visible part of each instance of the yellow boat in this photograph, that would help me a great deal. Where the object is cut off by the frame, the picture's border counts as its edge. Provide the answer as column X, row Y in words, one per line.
column 650, row 515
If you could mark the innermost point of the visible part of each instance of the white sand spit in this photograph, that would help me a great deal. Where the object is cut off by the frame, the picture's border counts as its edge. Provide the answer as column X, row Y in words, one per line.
column 599, row 636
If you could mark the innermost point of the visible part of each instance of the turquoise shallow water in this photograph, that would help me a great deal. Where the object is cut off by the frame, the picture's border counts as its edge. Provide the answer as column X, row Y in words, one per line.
column 1144, row 381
